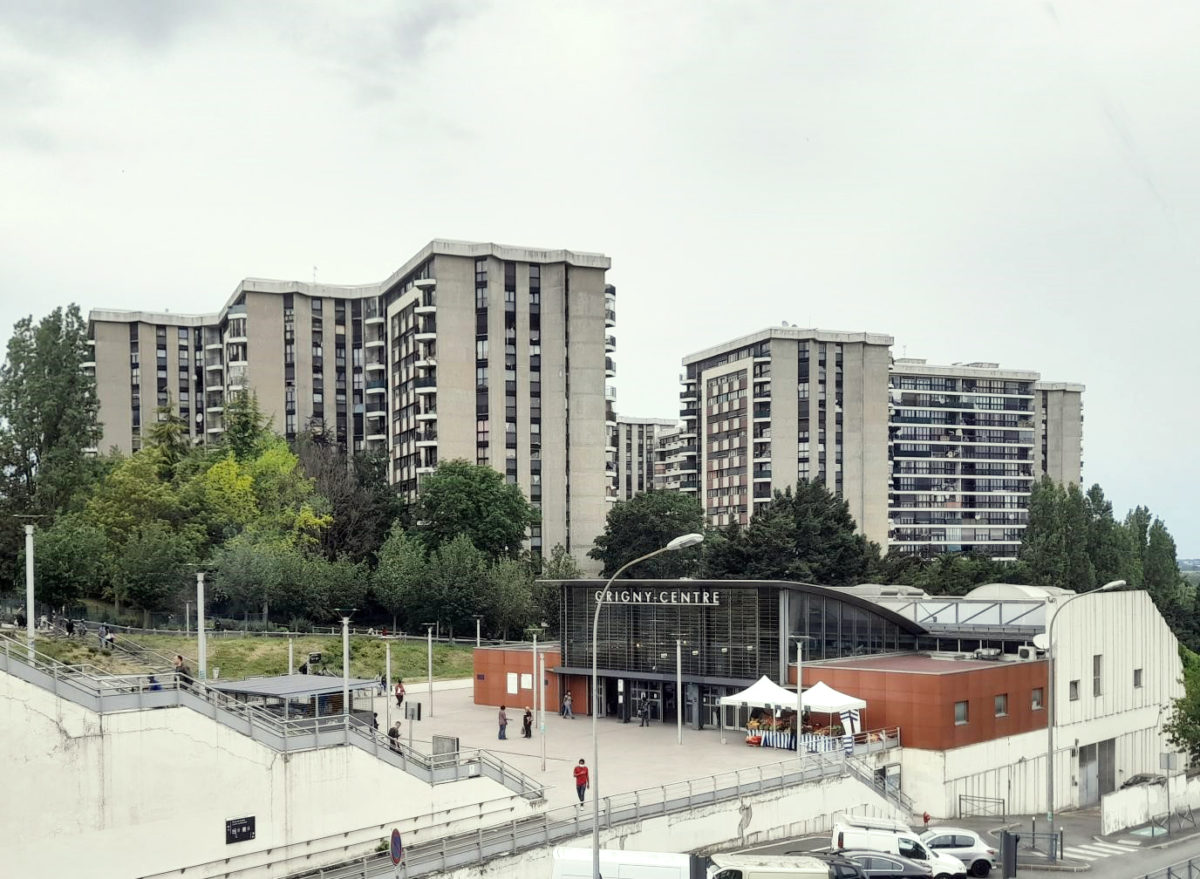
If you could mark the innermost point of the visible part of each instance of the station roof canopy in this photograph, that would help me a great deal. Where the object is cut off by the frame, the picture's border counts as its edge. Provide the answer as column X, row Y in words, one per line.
column 291, row 686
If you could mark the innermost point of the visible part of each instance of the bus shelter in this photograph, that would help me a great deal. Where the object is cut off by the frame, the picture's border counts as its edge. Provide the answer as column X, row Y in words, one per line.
column 299, row 697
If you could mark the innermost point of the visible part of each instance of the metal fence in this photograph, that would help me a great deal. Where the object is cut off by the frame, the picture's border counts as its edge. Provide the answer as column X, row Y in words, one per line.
column 1189, row 869
column 103, row 693
column 560, row 825
column 974, row 807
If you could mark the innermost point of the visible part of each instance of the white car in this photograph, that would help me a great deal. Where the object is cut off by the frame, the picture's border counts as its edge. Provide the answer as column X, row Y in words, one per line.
column 966, row 845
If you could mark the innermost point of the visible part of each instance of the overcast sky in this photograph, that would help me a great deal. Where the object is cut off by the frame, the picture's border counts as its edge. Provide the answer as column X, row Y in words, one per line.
column 1002, row 181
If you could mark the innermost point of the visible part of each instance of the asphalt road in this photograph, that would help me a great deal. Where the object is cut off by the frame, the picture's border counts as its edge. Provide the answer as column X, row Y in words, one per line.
column 1134, row 864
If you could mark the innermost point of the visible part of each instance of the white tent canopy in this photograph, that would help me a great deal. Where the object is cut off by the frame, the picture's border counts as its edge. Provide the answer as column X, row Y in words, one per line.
column 762, row 693
column 824, row 699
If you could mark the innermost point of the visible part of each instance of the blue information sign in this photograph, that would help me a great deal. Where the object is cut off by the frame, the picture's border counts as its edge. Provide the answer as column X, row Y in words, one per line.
column 397, row 847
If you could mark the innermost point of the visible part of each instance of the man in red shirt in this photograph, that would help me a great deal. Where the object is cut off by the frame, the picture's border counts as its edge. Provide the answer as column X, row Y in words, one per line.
column 581, row 779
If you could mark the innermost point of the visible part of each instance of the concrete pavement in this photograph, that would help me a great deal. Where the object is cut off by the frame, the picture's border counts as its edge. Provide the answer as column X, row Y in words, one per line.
column 631, row 757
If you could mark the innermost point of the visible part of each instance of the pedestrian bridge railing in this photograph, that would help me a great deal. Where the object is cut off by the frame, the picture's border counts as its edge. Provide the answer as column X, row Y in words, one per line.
column 105, row 693
column 458, row 850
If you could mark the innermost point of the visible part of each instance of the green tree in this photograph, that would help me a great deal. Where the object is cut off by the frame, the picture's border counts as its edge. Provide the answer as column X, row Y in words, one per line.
column 647, row 522
column 169, row 435
column 361, row 502
column 1108, row 544
column 456, row 571
column 806, row 535
column 69, row 557
column 547, row 593
column 48, row 411
column 400, row 575
column 509, row 596
column 1183, row 724
column 464, row 499
column 1076, row 524
column 1043, row 546
column 150, row 570
column 134, row 495
column 250, row 572
column 246, row 428
column 221, row 498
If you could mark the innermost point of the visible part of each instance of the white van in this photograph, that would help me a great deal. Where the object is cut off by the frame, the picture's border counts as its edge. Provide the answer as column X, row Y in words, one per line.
column 576, row 863
column 894, row 837
column 730, row 866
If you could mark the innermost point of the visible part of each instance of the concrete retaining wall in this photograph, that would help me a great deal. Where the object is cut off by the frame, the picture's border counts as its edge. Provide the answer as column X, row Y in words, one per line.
column 1137, row 805
column 749, row 820
column 143, row 792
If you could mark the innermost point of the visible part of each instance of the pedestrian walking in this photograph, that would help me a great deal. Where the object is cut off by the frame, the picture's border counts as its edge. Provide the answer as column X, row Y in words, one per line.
column 394, row 736
column 581, row 779
column 502, row 719
column 102, row 634
column 566, row 707
column 399, row 692
column 527, row 724
column 383, row 683
column 644, row 713
column 181, row 669
column 375, row 720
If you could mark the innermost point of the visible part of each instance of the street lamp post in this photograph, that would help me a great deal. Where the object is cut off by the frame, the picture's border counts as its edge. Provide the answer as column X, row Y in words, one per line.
column 1051, row 701
column 681, row 542
column 29, row 604
column 429, row 662
column 345, row 614
column 201, row 643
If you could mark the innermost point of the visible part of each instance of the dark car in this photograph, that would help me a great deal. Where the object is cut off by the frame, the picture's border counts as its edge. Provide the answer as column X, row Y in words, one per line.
column 881, row 865
column 840, row 867
column 1144, row 778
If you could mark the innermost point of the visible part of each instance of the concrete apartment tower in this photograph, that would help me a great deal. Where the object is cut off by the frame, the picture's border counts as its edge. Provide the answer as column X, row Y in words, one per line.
column 633, row 443
column 784, row 404
column 968, row 441
column 495, row 354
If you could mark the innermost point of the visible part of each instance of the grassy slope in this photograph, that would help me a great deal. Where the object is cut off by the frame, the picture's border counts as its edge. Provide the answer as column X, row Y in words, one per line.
column 240, row 657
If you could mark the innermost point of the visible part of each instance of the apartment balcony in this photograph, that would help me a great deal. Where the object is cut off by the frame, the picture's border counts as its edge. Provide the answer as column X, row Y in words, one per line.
column 689, row 485
column 426, row 307
column 610, row 393
column 610, row 367
column 688, row 433
column 214, row 410
column 610, row 344
column 374, row 365
column 610, row 316
column 213, row 367
column 214, row 346
column 762, row 474
column 425, row 384
column 427, row 416
column 762, row 414
column 376, row 386
column 426, row 438
column 376, row 408
column 690, row 412
column 375, row 343
column 234, row 339
column 376, row 438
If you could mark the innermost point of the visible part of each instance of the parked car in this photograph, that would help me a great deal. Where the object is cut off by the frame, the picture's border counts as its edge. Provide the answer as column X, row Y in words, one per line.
column 883, row 865
column 966, row 845
column 1144, row 778
column 891, row 837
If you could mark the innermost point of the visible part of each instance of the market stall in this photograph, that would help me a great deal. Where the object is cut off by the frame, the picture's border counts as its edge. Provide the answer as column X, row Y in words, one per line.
column 771, row 720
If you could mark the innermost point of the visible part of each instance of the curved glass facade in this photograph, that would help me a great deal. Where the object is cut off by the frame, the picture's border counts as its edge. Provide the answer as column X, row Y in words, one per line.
column 735, row 637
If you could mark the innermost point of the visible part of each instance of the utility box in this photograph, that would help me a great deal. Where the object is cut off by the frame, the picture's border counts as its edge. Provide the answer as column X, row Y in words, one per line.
column 1008, row 853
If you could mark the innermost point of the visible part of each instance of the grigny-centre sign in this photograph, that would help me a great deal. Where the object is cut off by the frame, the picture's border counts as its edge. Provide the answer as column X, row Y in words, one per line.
column 709, row 597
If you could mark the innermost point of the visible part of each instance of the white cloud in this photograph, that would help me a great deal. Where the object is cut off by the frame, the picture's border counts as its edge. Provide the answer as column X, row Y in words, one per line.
column 1010, row 182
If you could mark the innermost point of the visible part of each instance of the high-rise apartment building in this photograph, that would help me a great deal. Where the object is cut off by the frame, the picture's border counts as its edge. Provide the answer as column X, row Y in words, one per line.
column 633, row 443
column 494, row 354
column 766, row 410
column 929, row 459
column 669, row 457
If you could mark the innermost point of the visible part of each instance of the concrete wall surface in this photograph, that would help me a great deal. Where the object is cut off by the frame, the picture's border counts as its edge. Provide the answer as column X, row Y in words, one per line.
column 143, row 792
column 750, row 820
column 1137, row 805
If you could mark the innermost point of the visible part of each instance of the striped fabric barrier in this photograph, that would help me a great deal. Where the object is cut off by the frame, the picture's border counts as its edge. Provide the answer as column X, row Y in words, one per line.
column 810, row 742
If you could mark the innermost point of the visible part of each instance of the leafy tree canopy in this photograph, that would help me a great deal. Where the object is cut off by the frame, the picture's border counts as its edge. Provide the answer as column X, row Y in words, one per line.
column 647, row 522
column 470, row 500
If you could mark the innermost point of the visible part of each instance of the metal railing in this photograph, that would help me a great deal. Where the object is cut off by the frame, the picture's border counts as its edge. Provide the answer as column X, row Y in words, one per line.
column 104, row 693
column 969, row 806
column 1189, row 869
column 571, row 822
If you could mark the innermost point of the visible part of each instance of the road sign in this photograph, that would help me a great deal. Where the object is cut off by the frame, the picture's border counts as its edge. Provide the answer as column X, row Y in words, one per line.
column 397, row 847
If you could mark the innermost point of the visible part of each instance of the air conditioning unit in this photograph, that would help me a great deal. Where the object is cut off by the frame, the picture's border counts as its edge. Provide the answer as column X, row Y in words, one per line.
column 987, row 653
column 1027, row 653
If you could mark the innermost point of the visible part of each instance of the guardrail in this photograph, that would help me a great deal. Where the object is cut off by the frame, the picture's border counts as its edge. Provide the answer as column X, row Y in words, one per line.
column 1189, row 869
column 991, row 807
column 105, row 693
column 571, row 822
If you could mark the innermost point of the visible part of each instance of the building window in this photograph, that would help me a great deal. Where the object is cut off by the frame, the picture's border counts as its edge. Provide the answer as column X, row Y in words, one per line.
column 960, row 713
column 1137, row 678
column 1039, row 699
column 1002, row 705
column 1073, row 691
column 1096, row 666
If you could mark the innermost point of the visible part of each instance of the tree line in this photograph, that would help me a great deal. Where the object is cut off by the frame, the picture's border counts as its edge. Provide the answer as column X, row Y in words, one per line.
column 289, row 533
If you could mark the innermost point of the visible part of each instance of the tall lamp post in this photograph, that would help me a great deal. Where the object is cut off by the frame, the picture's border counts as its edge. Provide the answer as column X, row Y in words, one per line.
column 681, row 542
column 429, row 662
column 1051, row 701
column 345, row 614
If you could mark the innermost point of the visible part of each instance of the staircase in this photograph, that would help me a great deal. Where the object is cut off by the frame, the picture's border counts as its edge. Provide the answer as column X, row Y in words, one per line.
column 105, row 693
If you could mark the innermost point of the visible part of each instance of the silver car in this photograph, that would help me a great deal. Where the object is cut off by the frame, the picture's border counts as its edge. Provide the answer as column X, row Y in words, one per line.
column 966, row 845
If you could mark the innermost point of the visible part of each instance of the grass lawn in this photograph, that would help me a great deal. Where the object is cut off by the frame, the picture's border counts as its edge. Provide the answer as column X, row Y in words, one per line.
column 251, row 655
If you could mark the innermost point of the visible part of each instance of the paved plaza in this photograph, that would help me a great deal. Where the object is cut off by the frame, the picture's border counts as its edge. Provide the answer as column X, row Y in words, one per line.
column 631, row 757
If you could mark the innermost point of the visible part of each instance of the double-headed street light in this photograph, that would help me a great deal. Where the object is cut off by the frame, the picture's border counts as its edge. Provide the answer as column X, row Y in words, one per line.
column 1051, row 702
column 681, row 542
